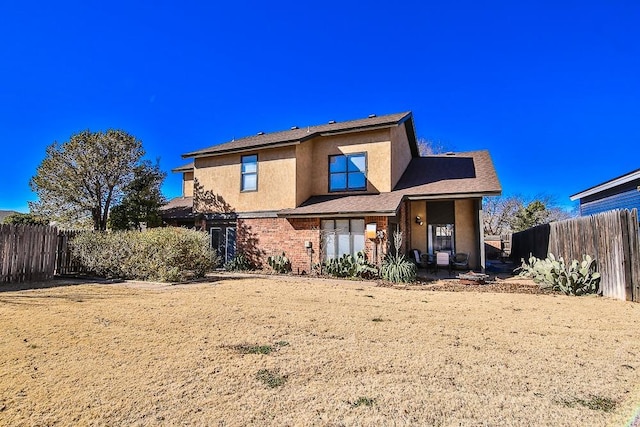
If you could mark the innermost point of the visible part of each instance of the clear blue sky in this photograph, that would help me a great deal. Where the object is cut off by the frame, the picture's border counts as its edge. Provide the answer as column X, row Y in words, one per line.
column 552, row 89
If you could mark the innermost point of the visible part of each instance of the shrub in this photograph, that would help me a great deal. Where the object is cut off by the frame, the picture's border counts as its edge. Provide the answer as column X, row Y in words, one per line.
column 578, row 278
column 396, row 268
column 164, row 254
column 239, row 263
column 351, row 266
column 279, row 263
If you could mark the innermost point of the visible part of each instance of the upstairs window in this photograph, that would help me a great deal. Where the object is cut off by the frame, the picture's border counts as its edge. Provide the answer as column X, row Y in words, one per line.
column 249, row 179
column 348, row 172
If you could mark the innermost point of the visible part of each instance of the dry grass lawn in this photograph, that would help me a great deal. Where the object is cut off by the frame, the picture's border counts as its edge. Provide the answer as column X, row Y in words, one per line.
column 270, row 351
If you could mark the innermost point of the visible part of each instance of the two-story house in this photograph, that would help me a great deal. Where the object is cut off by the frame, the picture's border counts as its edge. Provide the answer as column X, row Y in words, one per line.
column 322, row 191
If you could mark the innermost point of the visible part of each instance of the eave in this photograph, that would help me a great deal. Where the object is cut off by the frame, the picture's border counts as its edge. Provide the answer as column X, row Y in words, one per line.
column 631, row 176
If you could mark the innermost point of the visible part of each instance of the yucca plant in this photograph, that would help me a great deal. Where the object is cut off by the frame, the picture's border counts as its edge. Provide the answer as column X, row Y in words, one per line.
column 396, row 268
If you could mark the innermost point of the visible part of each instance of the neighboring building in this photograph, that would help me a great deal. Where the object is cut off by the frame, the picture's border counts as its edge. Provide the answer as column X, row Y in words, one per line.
column 4, row 214
column 622, row 192
column 346, row 185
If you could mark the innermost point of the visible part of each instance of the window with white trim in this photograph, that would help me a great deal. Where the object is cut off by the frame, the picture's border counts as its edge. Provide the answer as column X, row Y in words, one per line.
column 249, row 173
column 342, row 236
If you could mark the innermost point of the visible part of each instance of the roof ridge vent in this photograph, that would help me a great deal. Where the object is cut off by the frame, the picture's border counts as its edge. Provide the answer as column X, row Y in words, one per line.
column 331, row 122
column 371, row 116
column 294, row 127
column 449, row 153
column 260, row 133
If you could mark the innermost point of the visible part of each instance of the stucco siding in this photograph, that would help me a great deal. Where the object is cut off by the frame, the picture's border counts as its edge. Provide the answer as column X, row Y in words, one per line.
column 418, row 232
column 304, row 179
column 276, row 179
column 376, row 144
column 466, row 234
column 400, row 153
column 187, row 184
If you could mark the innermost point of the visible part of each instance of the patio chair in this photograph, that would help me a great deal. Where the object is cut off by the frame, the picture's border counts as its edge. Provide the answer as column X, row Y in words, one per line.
column 460, row 261
column 442, row 260
column 416, row 255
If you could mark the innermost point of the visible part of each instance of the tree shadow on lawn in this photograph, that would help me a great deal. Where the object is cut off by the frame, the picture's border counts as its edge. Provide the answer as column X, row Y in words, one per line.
column 56, row 282
column 75, row 280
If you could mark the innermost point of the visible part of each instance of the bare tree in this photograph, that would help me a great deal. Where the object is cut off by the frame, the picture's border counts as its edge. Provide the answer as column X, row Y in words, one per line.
column 429, row 147
column 513, row 213
column 499, row 212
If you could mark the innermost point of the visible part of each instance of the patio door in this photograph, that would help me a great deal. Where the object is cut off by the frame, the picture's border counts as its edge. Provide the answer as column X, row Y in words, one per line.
column 230, row 244
column 223, row 240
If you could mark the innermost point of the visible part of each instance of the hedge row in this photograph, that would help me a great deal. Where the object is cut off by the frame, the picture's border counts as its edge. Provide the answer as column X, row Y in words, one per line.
column 165, row 254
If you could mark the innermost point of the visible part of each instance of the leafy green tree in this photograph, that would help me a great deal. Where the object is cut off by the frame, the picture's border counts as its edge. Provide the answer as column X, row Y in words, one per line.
column 22, row 218
column 81, row 178
column 535, row 213
column 142, row 200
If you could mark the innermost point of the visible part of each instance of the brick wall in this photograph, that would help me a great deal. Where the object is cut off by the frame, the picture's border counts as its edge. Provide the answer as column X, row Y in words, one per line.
column 260, row 238
column 404, row 227
column 376, row 249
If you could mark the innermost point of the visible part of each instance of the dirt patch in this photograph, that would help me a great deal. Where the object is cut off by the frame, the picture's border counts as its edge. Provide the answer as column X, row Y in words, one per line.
column 269, row 351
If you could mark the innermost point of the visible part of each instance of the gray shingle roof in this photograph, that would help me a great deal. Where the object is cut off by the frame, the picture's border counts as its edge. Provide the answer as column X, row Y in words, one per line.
column 295, row 136
column 442, row 176
column 460, row 173
column 179, row 207
column 375, row 204
column 184, row 168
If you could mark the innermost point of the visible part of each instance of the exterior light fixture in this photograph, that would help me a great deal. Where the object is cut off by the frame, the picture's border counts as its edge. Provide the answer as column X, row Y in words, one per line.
column 419, row 220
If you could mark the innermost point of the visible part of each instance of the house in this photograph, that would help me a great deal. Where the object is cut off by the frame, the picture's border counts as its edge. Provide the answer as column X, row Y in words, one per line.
column 622, row 192
column 4, row 214
column 318, row 192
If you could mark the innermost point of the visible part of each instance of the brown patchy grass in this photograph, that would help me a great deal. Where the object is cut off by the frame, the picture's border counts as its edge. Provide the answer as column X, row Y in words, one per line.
column 270, row 351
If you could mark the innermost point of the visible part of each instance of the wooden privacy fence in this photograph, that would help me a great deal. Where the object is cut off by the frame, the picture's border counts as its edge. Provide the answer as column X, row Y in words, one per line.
column 65, row 262
column 612, row 238
column 27, row 252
